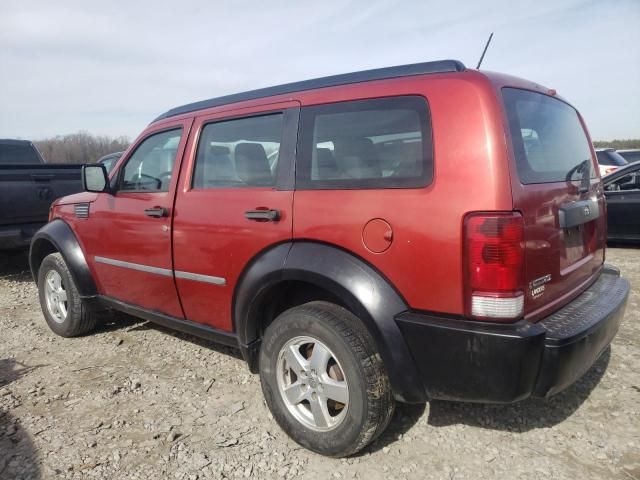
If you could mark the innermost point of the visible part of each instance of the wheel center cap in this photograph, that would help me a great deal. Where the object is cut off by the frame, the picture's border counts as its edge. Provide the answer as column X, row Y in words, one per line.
column 313, row 382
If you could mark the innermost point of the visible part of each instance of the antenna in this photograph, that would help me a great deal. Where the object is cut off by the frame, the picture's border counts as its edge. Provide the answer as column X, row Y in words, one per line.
column 484, row 51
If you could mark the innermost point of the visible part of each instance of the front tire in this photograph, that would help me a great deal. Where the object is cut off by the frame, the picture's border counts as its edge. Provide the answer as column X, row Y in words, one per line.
column 323, row 379
column 60, row 301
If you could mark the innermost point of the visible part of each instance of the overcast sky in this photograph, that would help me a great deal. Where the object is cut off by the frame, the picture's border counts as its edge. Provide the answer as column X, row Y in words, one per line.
column 111, row 67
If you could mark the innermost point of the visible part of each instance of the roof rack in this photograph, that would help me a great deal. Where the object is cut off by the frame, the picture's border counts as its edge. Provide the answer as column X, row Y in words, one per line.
column 440, row 66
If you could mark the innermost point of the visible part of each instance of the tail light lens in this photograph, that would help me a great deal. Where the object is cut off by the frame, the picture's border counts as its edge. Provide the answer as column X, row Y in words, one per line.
column 494, row 262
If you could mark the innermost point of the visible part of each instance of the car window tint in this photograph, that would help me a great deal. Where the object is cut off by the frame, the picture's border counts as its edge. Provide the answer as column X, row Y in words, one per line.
column 150, row 167
column 239, row 153
column 549, row 141
column 18, row 154
column 380, row 143
column 603, row 159
column 631, row 157
column 630, row 181
column 617, row 159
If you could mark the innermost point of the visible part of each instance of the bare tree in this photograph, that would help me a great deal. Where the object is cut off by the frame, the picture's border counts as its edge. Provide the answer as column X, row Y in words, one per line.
column 81, row 147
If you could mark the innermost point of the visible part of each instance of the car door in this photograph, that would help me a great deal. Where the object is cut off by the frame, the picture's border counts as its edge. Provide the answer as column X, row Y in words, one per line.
column 235, row 203
column 623, row 205
column 128, row 236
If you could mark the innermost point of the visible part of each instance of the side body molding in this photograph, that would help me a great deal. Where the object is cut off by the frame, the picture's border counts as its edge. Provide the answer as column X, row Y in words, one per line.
column 58, row 234
column 356, row 284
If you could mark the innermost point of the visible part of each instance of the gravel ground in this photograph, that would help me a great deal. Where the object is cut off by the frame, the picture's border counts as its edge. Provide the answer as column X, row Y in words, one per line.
column 137, row 401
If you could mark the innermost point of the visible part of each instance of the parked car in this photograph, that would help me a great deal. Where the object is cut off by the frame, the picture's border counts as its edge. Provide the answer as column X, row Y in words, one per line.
column 622, row 190
column 109, row 161
column 385, row 260
column 28, row 185
column 609, row 160
column 630, row 155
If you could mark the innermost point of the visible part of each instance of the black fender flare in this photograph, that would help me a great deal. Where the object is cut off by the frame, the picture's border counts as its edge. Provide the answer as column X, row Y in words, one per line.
column 358, row 286
column 59, row 235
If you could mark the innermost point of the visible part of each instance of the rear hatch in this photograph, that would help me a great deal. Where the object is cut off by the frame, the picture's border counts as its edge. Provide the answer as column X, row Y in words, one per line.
column 556, row 187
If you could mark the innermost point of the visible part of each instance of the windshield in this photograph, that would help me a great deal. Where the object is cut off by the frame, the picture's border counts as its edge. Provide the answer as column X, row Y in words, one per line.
column 549, row 142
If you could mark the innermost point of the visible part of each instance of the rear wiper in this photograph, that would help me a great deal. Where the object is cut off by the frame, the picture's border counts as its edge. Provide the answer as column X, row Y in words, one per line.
column 584, row 169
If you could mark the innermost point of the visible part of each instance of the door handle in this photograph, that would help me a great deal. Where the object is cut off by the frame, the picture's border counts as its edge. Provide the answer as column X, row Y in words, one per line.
column 156, row 212
column 262, row 215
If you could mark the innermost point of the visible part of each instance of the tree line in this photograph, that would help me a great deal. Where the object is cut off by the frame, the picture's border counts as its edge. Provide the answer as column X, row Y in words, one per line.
column 618, row 144
column 81, row 147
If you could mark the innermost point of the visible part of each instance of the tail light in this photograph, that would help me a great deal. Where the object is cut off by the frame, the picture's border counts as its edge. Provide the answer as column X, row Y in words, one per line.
column 494, row 263
column 609, row 170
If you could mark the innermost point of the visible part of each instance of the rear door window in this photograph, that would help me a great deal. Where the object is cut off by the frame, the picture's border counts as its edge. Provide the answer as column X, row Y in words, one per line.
column 241, row 152
column 549, row 142
column 379, row 143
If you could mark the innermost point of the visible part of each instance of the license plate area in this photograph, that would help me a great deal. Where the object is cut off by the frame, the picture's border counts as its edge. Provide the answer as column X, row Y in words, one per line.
column 574, row 244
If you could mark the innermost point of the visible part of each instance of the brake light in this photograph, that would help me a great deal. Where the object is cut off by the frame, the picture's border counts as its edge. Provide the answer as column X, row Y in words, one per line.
column 494, row 263
column 608, row 170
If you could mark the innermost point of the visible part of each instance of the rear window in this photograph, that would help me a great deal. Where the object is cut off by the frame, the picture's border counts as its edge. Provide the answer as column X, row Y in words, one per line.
column 549, row 142
column 379, row 143
column 18, row 154
column 630, row 157
column 610, row 157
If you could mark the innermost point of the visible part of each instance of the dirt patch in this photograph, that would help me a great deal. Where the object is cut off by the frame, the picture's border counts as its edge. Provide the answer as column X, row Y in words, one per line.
column 137, row 401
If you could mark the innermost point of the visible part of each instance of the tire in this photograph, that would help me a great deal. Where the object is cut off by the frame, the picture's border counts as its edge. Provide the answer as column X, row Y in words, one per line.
column 71, row 319
column 340, row 429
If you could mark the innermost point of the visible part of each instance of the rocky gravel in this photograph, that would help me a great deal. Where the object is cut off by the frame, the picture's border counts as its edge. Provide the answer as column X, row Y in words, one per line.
column 136, row 401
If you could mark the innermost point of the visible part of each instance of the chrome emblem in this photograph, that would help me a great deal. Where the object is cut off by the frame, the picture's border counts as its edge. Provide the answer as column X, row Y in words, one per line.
column 587, row 211
column 537, row 286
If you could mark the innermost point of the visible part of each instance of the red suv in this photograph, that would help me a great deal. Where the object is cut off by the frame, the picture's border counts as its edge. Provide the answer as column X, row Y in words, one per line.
column 402, row 234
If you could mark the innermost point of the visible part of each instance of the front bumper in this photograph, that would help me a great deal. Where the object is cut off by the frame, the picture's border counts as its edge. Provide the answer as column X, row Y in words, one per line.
column 502, row 363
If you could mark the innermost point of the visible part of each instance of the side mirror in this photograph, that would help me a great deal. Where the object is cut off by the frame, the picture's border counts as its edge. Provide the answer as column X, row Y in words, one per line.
column 95, row 178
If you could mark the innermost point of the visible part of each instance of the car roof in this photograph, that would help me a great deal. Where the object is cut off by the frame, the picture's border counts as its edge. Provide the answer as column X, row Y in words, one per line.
column 628, row 150
column 8, row 141
column 605, row 149
column 440, row 66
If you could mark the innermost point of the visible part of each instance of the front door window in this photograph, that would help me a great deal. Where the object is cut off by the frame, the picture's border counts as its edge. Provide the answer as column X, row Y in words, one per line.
column 150, row 167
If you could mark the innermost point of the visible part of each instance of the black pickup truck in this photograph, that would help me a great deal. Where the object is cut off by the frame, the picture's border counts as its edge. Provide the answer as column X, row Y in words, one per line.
column 28, row 185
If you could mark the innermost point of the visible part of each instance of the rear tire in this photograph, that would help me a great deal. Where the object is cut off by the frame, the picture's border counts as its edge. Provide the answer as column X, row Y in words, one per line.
column 324, row 380
column 61, row 304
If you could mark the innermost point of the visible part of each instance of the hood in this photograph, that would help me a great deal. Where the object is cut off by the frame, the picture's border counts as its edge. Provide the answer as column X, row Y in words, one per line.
column 82, row 197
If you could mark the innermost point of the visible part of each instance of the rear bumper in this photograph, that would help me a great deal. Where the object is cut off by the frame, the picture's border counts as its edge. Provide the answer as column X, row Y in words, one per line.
column 496, row 363
column 18, row 236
